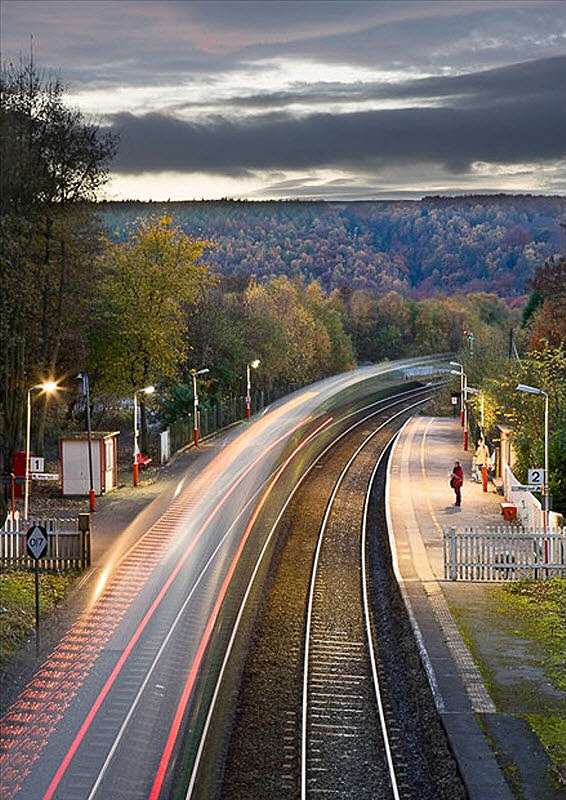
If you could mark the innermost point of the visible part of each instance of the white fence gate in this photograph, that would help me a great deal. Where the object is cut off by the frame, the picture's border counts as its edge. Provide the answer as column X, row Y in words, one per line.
column 503, row 553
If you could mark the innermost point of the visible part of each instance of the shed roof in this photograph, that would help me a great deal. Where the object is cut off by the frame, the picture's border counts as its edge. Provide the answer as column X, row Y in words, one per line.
column 83, row 435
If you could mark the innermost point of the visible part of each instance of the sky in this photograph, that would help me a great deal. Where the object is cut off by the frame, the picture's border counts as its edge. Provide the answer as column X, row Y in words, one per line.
column 311, row 99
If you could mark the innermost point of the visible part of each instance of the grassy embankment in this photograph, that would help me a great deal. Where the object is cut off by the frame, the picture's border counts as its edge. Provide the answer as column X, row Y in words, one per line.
column 532, row 613
column 17, row 606
column 538, row 610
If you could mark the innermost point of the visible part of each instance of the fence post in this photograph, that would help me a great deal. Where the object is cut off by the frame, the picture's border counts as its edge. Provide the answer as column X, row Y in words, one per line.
column 84, row 528
column 453, row 569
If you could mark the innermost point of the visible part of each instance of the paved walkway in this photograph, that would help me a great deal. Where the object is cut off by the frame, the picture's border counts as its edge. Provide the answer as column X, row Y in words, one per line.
column 420, row 507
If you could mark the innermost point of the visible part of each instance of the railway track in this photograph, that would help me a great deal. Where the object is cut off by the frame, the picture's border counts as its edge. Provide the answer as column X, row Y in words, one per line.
column 312, row 719
column 345, row 736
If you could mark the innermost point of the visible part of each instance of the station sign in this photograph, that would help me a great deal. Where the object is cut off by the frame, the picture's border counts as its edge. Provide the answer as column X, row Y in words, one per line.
column 36, row 464
column 536, row 477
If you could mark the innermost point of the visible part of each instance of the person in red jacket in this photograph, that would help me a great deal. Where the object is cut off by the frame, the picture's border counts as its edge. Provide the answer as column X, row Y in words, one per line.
column 456, row 481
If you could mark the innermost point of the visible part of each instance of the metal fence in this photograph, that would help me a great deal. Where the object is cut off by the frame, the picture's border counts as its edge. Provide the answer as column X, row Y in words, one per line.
column 218, row 414
column 68, row 548
column 503, row 553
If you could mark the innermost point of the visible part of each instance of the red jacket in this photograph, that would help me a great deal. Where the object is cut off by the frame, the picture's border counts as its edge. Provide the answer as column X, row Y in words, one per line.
column 457, row 477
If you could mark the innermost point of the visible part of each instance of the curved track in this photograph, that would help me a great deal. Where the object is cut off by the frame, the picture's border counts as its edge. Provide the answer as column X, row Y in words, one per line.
column 310, row 719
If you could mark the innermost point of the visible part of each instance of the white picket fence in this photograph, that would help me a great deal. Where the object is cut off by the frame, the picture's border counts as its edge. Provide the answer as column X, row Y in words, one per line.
column 503, row 553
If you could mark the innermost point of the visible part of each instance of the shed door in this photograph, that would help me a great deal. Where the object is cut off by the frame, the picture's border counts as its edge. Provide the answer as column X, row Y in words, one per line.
column 75, row 467
column 108, row 465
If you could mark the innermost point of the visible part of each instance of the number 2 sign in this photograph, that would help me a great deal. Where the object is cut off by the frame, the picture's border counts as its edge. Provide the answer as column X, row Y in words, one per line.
column 536, row 477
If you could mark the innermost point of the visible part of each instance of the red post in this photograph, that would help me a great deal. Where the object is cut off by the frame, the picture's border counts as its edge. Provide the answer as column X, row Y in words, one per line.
column 484, row 477
column 248, row 408
column 195, row 436
column 92, row 500
column 462, row 418
column 136, row 473
column 465, row 440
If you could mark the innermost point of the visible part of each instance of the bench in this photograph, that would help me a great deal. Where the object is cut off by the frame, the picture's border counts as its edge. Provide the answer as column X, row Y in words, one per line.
column 508, row 511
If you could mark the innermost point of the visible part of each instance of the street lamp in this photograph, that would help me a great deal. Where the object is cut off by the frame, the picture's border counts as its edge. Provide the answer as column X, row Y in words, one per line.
column 83, row 376
column 464, row 395
column 484, row 476
column 521, row 387
column 460, row 372
column 194, row 373
column 252, row 365
column 47, row 387
column 146, row 390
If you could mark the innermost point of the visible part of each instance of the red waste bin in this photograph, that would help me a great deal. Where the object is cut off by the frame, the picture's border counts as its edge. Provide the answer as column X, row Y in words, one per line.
column 509, row 511
column 19, row 470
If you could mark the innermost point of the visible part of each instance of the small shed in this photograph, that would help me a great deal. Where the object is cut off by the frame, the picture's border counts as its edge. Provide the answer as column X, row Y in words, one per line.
column 73, row 448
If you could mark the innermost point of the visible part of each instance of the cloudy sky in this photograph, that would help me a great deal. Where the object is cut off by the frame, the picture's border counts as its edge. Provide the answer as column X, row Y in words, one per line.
column 335, row 100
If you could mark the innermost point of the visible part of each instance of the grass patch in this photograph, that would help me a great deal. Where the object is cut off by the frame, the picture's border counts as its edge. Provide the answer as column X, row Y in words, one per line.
column 538, row 609
column 551, row 730
column 17, row 606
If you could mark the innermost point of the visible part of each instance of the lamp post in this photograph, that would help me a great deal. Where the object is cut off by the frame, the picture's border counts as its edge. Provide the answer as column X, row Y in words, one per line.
column 521, row 387
column 484, row 476
column 83, row 376
column 464, row 389
column 48, row 387
column 196, row 426
column 145, row 390
column 252, row 365
column 459, row 372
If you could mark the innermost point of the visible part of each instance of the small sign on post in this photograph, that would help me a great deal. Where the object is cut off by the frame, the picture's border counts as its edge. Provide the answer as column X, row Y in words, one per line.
column 36, row 545
column 36, row 464
column 536, row 477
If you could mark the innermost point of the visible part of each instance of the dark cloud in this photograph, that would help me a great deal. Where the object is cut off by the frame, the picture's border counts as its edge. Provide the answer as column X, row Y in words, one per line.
column 506, row 133
column 496, row 95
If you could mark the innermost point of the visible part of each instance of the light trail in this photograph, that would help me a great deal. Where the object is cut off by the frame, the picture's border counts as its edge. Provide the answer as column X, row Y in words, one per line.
column 55, row 781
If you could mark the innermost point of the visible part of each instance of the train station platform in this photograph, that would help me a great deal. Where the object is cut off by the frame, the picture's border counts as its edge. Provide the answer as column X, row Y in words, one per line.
column 420, row 506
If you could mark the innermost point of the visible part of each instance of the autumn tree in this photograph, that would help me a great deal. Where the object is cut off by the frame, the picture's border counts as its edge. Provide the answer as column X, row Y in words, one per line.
column 141, row 332
column 548, row 323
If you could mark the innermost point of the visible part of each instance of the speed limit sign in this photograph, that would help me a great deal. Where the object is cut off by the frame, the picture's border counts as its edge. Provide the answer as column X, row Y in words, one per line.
column 536, row 477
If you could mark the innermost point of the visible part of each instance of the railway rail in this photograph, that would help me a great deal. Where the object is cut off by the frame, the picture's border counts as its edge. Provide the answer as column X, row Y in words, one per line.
column 312, row 719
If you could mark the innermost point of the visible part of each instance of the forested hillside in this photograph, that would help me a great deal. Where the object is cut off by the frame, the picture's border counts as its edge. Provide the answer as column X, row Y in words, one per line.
column 488, row 243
